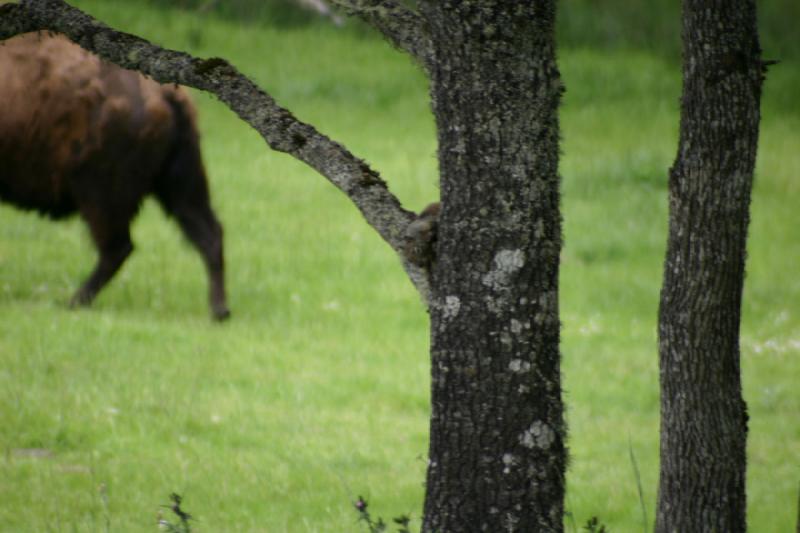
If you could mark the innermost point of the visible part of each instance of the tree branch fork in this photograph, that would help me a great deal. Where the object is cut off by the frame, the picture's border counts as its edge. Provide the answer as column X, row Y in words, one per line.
column 276, row 125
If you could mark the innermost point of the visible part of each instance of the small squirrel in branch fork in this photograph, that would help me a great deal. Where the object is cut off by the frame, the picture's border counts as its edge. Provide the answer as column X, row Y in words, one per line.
column 421, row 236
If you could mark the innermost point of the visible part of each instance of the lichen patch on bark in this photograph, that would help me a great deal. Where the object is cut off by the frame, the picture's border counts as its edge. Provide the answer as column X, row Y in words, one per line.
column 506, row 264
column 539, row 435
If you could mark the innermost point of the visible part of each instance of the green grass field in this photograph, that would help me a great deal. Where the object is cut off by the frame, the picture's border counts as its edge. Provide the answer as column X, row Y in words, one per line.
column 317, row 390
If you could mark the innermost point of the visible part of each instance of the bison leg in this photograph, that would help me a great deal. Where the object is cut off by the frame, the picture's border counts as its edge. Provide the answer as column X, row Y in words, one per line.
column 114, row 246
column 204, row 232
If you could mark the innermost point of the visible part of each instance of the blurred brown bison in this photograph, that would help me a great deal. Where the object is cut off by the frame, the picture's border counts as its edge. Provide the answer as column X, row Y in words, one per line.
column 78, row 134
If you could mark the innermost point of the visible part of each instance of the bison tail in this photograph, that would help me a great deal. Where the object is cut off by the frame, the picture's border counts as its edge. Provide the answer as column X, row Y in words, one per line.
column 183, row 177
column 183, row 192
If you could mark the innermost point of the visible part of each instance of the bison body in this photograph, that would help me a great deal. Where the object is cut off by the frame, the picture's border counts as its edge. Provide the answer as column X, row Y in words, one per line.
column 79, row 135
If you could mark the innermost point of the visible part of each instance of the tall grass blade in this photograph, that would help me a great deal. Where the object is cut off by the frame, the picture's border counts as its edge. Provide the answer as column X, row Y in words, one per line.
column 638, row 477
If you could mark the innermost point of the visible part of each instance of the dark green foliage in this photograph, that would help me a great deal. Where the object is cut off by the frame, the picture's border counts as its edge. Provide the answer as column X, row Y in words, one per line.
column 378, row 525
column 593, row 525
column 653, row 25
column 183, row 525
column 656, row 26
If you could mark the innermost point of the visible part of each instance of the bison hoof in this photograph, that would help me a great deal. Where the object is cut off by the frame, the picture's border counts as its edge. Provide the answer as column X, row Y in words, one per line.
column 221, row 315
column 80, row 299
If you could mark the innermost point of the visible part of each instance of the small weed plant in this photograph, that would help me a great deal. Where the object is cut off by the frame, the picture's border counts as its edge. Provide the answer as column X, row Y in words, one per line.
column 182, row 526
column 378, row 525
column 593, row 525
column 402, row 522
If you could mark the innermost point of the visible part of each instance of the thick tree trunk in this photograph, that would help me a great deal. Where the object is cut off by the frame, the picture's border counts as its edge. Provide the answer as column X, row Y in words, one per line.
column 703, row 415
column 497, row 453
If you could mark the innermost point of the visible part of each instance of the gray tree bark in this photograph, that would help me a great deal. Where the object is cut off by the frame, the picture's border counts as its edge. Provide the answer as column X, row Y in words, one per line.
column 497, row 453
column 703, row 414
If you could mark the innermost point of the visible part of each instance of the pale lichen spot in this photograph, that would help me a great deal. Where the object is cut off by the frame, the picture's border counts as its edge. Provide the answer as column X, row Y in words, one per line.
column 508, row 462
column 505, row 339
column 452, row 305
column 519, row 366
column 492, row 305
column 539, row 435
column 517, row 326
column 511, row 522
column 506, row 264
column 459, row 147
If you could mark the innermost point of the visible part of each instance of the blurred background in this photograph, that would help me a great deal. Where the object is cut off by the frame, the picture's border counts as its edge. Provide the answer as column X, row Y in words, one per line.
column 653, row 25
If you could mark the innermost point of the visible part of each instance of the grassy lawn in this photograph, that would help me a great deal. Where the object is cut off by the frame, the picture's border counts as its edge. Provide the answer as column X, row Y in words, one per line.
column 317, row 390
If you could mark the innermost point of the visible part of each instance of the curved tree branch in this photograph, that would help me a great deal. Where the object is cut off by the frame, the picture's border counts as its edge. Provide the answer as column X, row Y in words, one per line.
column 279, row 128
column 404, row 27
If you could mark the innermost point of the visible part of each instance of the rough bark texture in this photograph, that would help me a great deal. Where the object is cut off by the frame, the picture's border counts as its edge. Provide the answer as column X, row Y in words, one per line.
column 403, row 27
column 279, row 128
column 497, row 452
column 703, row 414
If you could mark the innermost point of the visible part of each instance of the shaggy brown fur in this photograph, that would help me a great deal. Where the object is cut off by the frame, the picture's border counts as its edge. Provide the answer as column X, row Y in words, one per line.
column 81, row 135
column 421, row 236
